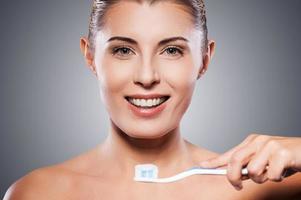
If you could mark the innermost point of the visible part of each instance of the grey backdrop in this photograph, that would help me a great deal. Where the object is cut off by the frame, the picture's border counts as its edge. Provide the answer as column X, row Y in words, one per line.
column 51, row 108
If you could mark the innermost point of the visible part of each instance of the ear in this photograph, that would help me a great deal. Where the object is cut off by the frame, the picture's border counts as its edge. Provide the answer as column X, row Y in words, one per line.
column 84, row 47
column 207, row 58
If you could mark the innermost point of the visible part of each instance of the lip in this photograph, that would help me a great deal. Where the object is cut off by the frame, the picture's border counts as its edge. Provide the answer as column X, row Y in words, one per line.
column 147, row 112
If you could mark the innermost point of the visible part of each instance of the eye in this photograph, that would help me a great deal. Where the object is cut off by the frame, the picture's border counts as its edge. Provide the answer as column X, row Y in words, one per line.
column 174, row 51
column 122, row 51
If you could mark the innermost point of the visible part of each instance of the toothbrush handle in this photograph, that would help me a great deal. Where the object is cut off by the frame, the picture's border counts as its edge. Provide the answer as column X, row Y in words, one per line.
column 244, row 172
column 286, row 173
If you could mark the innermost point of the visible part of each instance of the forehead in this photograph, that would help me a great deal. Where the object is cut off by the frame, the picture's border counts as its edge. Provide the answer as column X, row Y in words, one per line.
column 148, row 22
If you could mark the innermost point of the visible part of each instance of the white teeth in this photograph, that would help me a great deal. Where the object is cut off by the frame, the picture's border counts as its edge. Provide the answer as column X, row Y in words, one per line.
column 143, row 102
column 146, row 102
column 149, row 102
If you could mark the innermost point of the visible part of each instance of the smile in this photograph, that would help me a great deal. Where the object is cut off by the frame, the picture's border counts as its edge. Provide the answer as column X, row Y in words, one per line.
column 147, row 103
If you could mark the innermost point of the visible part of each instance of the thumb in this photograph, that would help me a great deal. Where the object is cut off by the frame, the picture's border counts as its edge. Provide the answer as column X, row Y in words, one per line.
column 215, row 162
column 223, row 159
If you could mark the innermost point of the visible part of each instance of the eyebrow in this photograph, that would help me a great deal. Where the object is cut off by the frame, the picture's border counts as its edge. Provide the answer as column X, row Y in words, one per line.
column 134, row 42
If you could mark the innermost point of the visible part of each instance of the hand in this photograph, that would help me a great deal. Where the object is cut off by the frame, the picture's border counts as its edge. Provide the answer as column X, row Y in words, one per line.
column 266, row 158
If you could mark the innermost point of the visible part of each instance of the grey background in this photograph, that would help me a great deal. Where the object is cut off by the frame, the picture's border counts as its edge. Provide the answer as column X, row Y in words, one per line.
column 51, row 109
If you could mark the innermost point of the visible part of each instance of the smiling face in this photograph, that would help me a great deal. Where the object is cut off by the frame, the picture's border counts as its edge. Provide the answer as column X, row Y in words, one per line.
column 144, row 56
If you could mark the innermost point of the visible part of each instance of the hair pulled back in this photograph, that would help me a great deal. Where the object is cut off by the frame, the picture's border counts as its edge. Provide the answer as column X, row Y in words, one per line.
column 100, row 7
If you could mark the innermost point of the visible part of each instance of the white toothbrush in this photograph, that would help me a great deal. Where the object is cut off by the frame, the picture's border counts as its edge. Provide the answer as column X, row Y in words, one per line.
column 149, row 173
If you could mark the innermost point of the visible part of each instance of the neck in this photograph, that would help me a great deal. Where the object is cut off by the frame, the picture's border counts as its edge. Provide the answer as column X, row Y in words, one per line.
column 169, row 152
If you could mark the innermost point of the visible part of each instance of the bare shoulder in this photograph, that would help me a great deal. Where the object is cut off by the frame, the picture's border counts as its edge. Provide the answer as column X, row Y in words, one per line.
column 200, row 153
column 52, row 182
column 40, row 183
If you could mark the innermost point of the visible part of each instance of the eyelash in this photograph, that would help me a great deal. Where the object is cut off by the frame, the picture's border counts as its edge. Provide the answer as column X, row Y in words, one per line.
column 117, row 49
column 178, row 49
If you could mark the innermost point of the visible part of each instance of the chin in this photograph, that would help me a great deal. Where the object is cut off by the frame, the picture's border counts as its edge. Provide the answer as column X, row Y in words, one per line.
column 148, row 132
column 145, row 135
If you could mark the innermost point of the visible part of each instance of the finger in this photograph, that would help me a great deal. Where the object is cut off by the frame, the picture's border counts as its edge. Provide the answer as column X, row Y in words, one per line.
column 277, row 165
column 257, row 166
column 259, row 162
column 275, row 171
column 262, row 178
column 215, row 162
column 223, row 159
column 258, row 175
column 273, row 156
column 237, row 161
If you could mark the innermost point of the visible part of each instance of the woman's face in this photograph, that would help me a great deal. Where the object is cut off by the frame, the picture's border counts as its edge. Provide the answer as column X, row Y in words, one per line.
column 151, row 53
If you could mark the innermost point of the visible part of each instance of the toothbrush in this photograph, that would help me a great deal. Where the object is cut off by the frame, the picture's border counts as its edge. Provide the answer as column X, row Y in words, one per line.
column 149, row 173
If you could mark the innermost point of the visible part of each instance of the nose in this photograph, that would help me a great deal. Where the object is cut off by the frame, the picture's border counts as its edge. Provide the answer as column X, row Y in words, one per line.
column 146, row 75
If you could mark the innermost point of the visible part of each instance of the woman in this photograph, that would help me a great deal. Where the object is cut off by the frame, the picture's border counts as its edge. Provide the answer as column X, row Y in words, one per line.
column 147, row 57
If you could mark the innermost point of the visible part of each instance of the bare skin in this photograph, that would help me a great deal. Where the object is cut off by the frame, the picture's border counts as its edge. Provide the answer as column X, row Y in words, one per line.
column 91, row 176
column 107, row 171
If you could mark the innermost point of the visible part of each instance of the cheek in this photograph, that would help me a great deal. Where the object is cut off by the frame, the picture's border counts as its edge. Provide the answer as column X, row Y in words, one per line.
column 180, row 75
column 114, row 75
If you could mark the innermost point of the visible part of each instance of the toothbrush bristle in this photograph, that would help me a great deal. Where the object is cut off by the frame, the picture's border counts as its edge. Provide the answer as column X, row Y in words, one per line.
column 146, row 171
